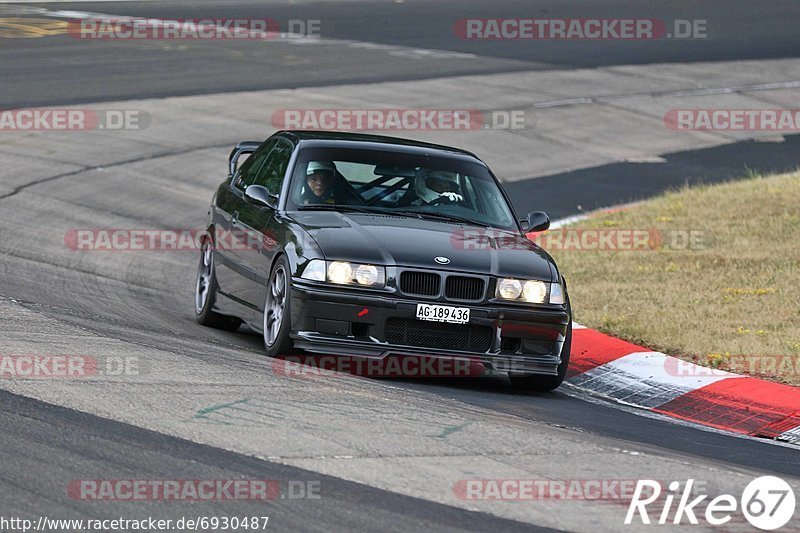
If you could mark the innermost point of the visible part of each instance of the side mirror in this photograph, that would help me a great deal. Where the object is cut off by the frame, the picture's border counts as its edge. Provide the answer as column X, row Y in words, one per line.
column 244, row 147
column 535, row 221
column 260, row 195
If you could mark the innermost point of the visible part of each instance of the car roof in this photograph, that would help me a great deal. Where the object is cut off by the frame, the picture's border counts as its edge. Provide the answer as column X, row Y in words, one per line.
column 354, row 140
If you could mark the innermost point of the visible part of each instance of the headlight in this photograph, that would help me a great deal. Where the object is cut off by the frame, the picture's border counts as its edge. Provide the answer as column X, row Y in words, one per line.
column 367, row 275
column 509, row 289
column 530, row 291
column 345, row 273
column 534, row 292
column 340, row 272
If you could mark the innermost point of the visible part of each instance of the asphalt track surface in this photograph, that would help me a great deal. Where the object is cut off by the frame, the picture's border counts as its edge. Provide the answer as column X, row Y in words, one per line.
column 44, row 446
column 80, row 71
column 620, row 183
column 36, row 433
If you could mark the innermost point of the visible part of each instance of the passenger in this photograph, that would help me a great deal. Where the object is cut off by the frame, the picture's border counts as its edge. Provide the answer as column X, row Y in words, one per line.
column 319, row 188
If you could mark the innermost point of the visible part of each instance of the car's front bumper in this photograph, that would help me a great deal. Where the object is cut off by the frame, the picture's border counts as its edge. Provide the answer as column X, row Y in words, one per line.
column 509, row 338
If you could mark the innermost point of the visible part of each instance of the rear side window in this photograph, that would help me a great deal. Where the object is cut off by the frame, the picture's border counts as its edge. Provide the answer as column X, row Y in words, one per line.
column 250, row 168
column 273, row 170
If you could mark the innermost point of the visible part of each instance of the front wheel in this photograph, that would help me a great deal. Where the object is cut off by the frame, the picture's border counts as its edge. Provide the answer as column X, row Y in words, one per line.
column 277, row 310
column 538, row 383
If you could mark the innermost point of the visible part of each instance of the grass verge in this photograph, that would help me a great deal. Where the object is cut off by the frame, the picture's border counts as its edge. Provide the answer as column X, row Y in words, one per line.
column 714, row 278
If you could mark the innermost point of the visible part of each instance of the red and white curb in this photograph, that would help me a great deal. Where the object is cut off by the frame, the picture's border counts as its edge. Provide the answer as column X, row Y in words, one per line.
column 632, row 375
column 635, row 376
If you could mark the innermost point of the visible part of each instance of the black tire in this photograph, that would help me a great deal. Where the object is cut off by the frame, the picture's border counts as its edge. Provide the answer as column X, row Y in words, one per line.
column 205, row 293
column 539, row 383
column 276, row 340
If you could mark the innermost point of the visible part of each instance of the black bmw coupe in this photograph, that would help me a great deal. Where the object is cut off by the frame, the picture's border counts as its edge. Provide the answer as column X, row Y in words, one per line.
column 374, row 246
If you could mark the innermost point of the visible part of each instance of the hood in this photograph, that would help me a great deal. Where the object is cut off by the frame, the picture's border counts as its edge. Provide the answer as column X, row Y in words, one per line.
column 386, row 239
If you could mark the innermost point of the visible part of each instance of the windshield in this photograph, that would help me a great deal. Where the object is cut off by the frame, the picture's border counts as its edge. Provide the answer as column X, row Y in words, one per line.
column 441, row 188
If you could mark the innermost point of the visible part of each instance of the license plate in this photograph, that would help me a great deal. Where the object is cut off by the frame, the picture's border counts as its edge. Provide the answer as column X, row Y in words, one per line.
column 443, row 313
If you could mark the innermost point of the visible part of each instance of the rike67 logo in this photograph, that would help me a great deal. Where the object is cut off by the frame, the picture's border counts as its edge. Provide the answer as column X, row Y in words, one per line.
column 767, row 502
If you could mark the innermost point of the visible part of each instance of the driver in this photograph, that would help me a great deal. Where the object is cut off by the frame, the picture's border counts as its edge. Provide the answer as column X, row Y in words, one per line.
column 430, row 185
column 319, row 183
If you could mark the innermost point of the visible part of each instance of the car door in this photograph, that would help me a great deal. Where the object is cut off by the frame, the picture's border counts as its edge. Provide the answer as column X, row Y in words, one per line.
column 231, row 275
column 262, row 231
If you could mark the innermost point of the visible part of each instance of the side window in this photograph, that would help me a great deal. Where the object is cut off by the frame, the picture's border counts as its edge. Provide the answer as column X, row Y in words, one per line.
column 249, row 171
column 274, row 169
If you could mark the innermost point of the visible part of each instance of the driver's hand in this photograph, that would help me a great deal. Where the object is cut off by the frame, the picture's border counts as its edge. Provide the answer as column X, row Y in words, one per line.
column 451, row 196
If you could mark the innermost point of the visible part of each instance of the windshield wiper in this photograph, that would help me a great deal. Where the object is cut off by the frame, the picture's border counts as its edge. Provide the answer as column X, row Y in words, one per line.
column 389, row 211
column 338, row 207
column 443, row 216
column 358, row 209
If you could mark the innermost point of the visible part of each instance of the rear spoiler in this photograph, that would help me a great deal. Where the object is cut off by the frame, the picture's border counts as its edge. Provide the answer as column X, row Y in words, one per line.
column 244, row 147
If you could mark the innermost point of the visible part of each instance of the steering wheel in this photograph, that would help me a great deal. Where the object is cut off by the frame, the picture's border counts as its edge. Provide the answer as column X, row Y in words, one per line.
column 443, row 200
